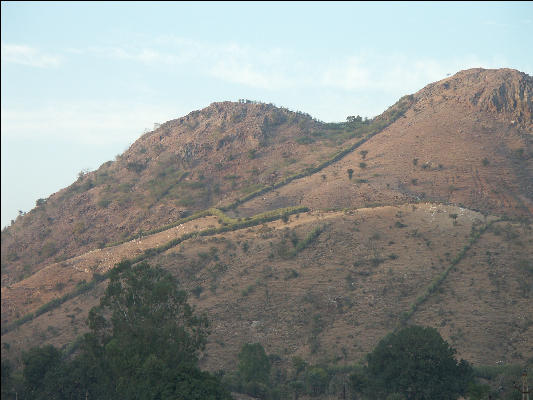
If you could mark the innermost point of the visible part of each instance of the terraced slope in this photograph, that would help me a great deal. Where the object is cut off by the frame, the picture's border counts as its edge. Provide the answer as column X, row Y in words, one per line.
column 327, row 281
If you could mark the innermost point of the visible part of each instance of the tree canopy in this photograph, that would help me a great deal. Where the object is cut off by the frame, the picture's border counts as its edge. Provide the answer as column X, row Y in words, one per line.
column 254, row 364
column 417, row 363
column 144, row 344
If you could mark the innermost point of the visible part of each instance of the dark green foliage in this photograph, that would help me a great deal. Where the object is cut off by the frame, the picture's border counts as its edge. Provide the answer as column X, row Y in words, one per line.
column 478, row 391
column 148, row 314
column 317, row 379
column 253, row 374
column 11, row 382
column 135, row 166
column 305, row 140
column 254, row 365
column 40, row 202
column 417, row 363
column 350, row 173
column 143, row 344
column 40, row 366
column 48, row 250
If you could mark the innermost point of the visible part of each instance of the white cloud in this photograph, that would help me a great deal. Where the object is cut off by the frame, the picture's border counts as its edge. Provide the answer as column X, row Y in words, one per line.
column 241, row 72
column 26, row 55
column 143, row 55
column 89, row 123
column 348, row 75
column 395, row 73
column 230, row 62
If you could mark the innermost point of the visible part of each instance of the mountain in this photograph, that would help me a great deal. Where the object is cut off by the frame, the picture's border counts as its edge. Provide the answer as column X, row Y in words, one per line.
column 314, row 239
column 464, row 140
column 209, row 157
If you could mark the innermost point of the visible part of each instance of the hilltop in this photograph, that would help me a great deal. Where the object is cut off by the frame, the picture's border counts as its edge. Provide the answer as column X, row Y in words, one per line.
column 464, row 140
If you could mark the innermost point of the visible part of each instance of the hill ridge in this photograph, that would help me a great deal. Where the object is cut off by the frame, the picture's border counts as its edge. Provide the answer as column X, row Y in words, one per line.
column 393, row 204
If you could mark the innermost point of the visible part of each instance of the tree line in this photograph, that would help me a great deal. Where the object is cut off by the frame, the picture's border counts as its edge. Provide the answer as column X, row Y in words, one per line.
column 145, row 339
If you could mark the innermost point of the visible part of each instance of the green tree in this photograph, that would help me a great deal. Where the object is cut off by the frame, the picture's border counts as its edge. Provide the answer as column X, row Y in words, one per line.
column 254, row 365
column 350, row 173
column 150, row 314
column 7, row 389
column 40, row 364
column 150, row 335
column 417, row 363
column 143, row 344
column 317, row 379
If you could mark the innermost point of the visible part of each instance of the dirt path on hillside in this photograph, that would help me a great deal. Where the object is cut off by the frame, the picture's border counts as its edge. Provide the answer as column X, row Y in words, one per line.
column 57, row 279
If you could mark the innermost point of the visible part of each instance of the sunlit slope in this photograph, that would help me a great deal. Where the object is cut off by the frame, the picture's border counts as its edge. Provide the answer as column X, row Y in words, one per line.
column 327, row 281
column 465, row 140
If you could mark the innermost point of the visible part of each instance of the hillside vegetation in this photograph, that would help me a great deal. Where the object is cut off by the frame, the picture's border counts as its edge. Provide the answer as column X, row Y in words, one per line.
column 313, row 239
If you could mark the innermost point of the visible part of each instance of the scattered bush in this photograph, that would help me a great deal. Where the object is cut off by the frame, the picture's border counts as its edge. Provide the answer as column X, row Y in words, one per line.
column 48, row 250
column 350, row 173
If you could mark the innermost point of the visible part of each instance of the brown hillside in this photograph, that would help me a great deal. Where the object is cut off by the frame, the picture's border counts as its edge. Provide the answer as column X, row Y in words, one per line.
column 218, row 154
column 465, row 140
column 469, row 135
column 346, row 290
column 432, row 226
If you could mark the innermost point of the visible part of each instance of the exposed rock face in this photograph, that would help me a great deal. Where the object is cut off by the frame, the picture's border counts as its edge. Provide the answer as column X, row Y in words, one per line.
column 504, row 92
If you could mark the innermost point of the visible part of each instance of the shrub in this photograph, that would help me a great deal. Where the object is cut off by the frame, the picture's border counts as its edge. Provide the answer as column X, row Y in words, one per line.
column 362, row 165
column 252, row 154
column 197, row 291
column 135, row 166
column 350, row 173
column 305, row 140
column 103, row 202
column 48, row 249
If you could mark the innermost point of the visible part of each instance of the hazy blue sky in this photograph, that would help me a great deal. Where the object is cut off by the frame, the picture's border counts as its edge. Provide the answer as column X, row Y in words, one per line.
column 82, row 81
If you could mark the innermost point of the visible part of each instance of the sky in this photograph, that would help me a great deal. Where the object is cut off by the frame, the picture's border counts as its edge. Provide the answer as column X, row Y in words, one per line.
column 81, row 81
